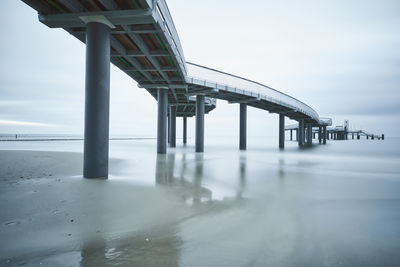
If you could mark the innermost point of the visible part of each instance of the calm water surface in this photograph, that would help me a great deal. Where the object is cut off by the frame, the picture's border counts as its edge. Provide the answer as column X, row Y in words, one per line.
column 327, row 205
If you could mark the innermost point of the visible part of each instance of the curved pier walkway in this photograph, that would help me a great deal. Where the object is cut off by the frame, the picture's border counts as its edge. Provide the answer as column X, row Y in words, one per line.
column 140, row 38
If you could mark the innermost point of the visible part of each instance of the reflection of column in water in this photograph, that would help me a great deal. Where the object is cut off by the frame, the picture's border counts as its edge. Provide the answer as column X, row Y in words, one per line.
column 170, row 167
column 197, row 179
column 161, row 169
column 242, row 176
column 281, row 175
column 183, row 168
column 281, row 168
column 151, row 247
column 165, row 168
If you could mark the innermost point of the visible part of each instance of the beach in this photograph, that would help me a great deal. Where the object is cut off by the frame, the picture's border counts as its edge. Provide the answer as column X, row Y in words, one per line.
column 327, row 205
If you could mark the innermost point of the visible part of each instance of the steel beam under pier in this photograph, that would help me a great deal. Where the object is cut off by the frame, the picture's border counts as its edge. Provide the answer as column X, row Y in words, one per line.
column 200, row 123
column 243, row 127
column 97, row 101
column 281, row 131
column 184, row 130
column 172, row 120
column 162, row 120
column 325, row 135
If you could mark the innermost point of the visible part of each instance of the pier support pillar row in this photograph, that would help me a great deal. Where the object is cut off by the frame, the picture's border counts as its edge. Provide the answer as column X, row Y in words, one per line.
column 309, row 134
column 300, row 132
column 320, row 134
column 184, row 130
column 162, row 97
column 281, row 131
column 172, row 120
column 200, row 123
column 243, row 127
column 97, row 101
column 168, row 127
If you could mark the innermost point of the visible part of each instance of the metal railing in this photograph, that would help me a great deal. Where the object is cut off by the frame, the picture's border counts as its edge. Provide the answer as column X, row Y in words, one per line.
column 164, row 19
column 212, row 78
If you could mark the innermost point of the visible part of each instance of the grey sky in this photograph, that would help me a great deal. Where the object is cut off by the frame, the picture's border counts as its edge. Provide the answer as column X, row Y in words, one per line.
column 340, row 57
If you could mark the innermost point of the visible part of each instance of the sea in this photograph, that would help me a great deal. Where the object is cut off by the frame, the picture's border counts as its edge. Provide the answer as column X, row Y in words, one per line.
column 334, row 204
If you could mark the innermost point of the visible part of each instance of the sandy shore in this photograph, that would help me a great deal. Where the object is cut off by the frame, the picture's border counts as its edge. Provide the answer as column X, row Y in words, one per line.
column 50, row 215
column 223, row 208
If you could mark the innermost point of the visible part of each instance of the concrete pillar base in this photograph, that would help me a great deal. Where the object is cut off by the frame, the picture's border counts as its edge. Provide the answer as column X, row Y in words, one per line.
column 200, row 123
column 243, row 127
column 162, row 121
column 97, row 101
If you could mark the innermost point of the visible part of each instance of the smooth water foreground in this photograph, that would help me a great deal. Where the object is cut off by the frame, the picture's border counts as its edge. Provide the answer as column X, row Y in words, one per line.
column 327, row 205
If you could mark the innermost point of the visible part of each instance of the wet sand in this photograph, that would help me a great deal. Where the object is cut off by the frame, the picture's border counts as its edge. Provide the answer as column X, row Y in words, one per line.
column 333, row 205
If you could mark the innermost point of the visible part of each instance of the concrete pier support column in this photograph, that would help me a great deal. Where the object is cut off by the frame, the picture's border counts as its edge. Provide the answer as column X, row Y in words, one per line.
column 320, row 134
column 243, row 127
column 358, row 137
column 291, row 135
column 367, row 137
column 325, row 135
column 162, row 99
column 281, row 131
column 352, row 135
column 168, row 127
column 184, row 130
column 297, row 134
column 97, row 101
column 300, row 133
column 200, row 123
column 383, row 137
column 172, row 120
column 372, row 137
column 309, row 134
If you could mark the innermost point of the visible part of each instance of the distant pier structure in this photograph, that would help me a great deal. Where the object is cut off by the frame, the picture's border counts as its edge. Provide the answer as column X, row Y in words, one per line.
column 341, row 132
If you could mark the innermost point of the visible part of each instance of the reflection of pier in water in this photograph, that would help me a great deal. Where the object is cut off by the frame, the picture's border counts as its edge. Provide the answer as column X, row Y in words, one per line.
column 155, row 247
column 186, row 177
column 191, row 191
column 162, row 245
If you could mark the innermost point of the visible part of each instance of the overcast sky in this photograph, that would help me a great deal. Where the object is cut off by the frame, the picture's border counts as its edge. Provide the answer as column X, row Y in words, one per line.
column 340, row 57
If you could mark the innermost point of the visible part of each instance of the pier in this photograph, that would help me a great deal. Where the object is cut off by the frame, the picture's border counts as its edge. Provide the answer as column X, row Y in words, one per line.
column 139, row 37
column 330, row 133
